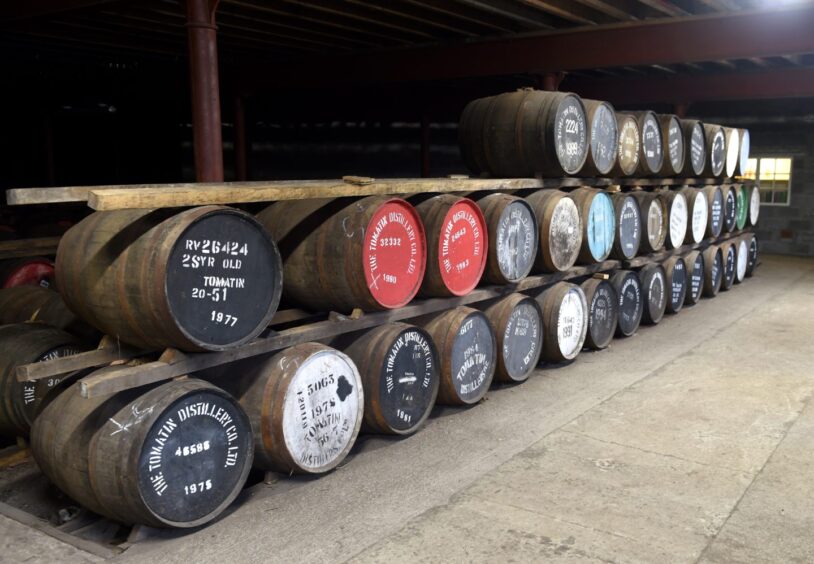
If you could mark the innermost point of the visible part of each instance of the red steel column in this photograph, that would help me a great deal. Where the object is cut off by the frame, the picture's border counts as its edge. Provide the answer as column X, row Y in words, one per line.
column 203, row 65
column 241, row 140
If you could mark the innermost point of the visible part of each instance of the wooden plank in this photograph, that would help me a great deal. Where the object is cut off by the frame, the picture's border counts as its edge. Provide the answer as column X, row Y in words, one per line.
column 20, row 248
column 81, row 361
column 45, row 527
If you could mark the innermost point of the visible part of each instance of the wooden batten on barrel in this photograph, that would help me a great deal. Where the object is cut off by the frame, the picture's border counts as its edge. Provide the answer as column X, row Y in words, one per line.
column 598, row 224
column 175, row 455
column 696, row 274
column 654, row 286
column 468, row 350
column 697, row 214
column 34, row 271
column 400, row 373
column 20, row 344
column 457, row 244
column 675, row 280
column 654, row 220
column 677, row 218
column 728, row 252
column 603, row 312
column 651, row 149
column 713, row 270
column 716, row 150
column 628, row 226
column 603, row 131
column 631, row 303
column 565, row 321
column 523, row 133
column 305, row 405
column 518, row 323
column 695, row 143
column 342, row 254
column 513, row 237
column 673, row 138
column 630, row 146
column 208, row 278
column 715, row 210
column 733, row 145
column 560, row 230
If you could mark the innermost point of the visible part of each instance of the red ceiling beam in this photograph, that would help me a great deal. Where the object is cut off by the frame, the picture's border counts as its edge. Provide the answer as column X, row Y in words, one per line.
column 679, row 89
column 666, row 41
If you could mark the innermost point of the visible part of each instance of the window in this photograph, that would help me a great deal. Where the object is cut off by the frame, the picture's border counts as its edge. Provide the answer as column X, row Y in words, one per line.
column 774, row 178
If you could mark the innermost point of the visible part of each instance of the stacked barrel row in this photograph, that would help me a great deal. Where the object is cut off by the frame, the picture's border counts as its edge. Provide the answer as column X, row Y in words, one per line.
column 532, row 132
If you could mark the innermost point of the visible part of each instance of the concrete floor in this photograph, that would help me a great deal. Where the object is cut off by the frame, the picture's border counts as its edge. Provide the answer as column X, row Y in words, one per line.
column 689, row 442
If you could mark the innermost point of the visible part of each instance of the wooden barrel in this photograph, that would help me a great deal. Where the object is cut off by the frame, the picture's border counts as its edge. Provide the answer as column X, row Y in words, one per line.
column 603, row 312
column 628, row 221
column 733, row 146
column 631, row 305
column 604, row 138
column 654, row 220
column 630, row 146
column 654, row 286
column 305, row 405
column 741, row 259
column 742, row 198
column 754, row 205
column 598, row 224
column 513, row 237
column 716, row 150
column 728, row 252
column 673, row 137
column 715, row 210
column 175, row 455
column 525, row 133
column 457, row 244
column 400, row 372
column 695, row 143
column 697, row 214
column 36, row 271
column 651, row 150
column 743, row 152
column 694, row 261
column 346, row 253
column 678, row 218
column 730, row 207
column 560, row 230
column 208, row 278
column 675, row 279
column 713, row 270
column 754, row 253
column 20, row 344
column 565, row 321
column 468, row 349
column 518, row 323
column 21, row 303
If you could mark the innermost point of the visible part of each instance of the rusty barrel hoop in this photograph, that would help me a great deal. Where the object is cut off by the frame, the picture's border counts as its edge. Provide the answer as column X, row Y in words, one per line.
column 598, row 220
column 560, row 230
column 207, row 278
column 20, row 344
column 399, row 368
column 604, row 138
column 518, row 323
column 603, row 312
column 457, row 245
column 630, row 146
column 565, row 321
column 654, row 220
column 175, row 455
column 513, row 237
column 341, row 254
column 673, row 136
column 631, row 303
column 467, row 346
